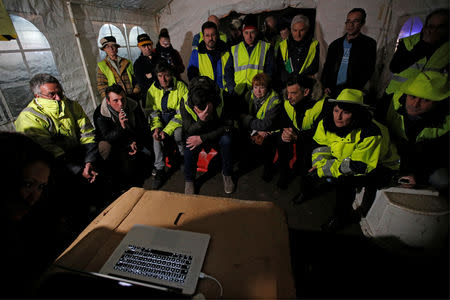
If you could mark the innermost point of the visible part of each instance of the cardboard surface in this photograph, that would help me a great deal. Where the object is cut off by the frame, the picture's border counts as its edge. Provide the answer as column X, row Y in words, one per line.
column 248, row 251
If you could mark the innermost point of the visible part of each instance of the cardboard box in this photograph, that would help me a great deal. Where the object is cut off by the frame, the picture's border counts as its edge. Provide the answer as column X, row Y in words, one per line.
column 248, row 251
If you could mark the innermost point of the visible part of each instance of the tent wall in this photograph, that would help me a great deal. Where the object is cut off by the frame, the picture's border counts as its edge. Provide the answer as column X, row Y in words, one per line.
column 384, row 20
column 51, row 17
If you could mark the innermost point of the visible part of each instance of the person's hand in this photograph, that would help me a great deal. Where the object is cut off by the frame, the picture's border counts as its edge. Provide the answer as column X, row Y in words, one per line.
column 123, row 119
column 149, row 75
column 133, row 148
column 193, row 141
column 162, row 135
column 156, row 134
column 410, row 181
column 288, row 135
column 257, row 139
column 204, row 114
column 89, row 172
column 264, row 134
column 312, row 169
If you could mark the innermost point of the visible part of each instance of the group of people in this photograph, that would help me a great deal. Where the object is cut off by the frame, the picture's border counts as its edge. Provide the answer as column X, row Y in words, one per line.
column 252, row 101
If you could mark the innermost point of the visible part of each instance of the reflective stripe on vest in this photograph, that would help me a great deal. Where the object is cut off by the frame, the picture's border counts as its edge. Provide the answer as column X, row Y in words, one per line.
column 267, row 105
column 245, row 67
column 51, row 125
column 309, row 58
column 437, row 62
column 110, row 75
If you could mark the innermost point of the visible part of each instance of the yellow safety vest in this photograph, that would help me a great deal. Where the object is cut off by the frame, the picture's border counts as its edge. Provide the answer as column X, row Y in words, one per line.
column 154, row 109
column 110, row 75
column 206, row 69
column 309, row 58
column 271, row 101
column 437, row 61
column 246, row 67
column 58, row 126
column 309, row 117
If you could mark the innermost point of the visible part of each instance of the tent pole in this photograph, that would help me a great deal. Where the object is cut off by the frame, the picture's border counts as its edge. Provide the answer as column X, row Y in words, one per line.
column 83, row 61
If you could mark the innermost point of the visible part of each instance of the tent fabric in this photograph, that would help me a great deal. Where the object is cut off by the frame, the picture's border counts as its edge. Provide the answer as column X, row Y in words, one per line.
column 184, row 18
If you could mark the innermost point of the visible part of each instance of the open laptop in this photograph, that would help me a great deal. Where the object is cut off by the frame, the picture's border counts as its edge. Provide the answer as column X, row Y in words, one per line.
column 160, row 258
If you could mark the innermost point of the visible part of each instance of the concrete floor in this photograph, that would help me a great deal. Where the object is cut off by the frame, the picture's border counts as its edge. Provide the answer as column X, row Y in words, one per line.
column 341, row 265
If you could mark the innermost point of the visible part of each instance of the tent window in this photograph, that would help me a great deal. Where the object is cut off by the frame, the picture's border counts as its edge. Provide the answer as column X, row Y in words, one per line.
column 412, row 26
column 20, row 60
column 110, row 29
column 134, row 32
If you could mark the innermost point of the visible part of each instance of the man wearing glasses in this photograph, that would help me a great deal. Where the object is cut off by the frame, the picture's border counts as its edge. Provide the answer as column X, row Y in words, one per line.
column 351, row 58
column 60, row 126
column 115, row 69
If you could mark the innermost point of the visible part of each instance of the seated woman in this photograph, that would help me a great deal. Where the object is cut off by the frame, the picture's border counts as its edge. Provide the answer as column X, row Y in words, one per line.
column 260, row 119
column 354, row 151
column 28, row 218
column 206, row 124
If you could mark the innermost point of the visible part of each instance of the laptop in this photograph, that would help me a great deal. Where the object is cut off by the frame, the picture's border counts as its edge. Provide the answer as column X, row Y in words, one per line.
column 160, row 258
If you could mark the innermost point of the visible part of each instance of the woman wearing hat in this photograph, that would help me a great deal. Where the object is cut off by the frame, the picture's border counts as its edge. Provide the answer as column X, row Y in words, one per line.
column 353, row 151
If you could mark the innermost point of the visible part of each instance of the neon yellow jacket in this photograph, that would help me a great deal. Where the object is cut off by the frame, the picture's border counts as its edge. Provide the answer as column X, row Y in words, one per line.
column 58, row 126
column 310, row 116
column 154, row 109
column 437, row 61
column 246, row 67
column 358, row 153
column 206, row 69
column 309, row 58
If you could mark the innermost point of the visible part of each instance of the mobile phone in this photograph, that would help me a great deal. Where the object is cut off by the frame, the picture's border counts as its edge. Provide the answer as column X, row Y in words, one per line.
column 403, row 180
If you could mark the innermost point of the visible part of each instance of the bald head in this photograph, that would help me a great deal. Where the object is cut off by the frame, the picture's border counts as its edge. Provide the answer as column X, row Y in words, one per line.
column 214, row 19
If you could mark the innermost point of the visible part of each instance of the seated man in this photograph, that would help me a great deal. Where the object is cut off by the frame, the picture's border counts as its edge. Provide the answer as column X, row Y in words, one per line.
column 260, row 118
column 122, row 132
column 300, row 114
column 206, row 124
column 420, row 129
column 62, row 127
column 163, row 108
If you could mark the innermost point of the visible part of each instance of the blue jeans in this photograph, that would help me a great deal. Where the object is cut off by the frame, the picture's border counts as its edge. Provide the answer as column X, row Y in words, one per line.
column 191, row 157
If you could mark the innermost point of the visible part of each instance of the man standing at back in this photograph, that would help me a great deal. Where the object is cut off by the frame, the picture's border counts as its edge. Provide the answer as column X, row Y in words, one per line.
column 198, row 38
column 212, row 59
column 351, row 58
column 144, row 66
column 115, row 69
column 250, row 57
column 299, row 53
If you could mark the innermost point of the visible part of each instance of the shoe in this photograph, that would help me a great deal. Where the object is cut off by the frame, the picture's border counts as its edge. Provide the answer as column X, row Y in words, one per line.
column 189, row 188
column 228, row 184
column 158, row 180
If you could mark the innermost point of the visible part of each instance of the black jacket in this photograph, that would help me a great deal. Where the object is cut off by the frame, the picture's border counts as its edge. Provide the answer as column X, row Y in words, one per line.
column 361, row 63
column 110, row 130
column 144, row 65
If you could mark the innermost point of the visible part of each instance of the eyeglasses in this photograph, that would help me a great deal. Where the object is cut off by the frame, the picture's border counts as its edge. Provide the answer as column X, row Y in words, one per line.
column 52, row 95
column 353, row 22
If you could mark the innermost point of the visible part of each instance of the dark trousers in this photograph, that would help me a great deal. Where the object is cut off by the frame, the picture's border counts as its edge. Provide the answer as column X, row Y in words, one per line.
column 223, row 147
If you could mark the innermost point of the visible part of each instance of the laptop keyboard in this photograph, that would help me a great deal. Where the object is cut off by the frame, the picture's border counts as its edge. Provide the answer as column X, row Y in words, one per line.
column 154, row 263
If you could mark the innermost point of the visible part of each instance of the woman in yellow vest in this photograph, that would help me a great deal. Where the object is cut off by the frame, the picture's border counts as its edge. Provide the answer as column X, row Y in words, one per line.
column 260, row 120
column 351, row 150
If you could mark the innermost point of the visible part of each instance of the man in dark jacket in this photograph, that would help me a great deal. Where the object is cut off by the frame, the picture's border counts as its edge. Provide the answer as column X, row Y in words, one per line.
column 212, row 59
column 144, row 66
column 351, row 59
column 122, row 132
column 206, row 124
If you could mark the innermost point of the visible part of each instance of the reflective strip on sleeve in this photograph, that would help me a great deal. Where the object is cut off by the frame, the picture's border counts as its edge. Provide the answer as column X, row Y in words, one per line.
column 322, row 149
column 327, row 167
column 87, row 134
column 51, row 125
column 175, row 120
column 345, row 166
column 318, row 158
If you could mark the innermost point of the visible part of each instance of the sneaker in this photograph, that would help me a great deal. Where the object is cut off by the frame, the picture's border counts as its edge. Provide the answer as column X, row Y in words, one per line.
column 228, row 184
column 189, row 188
column 158, row 180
